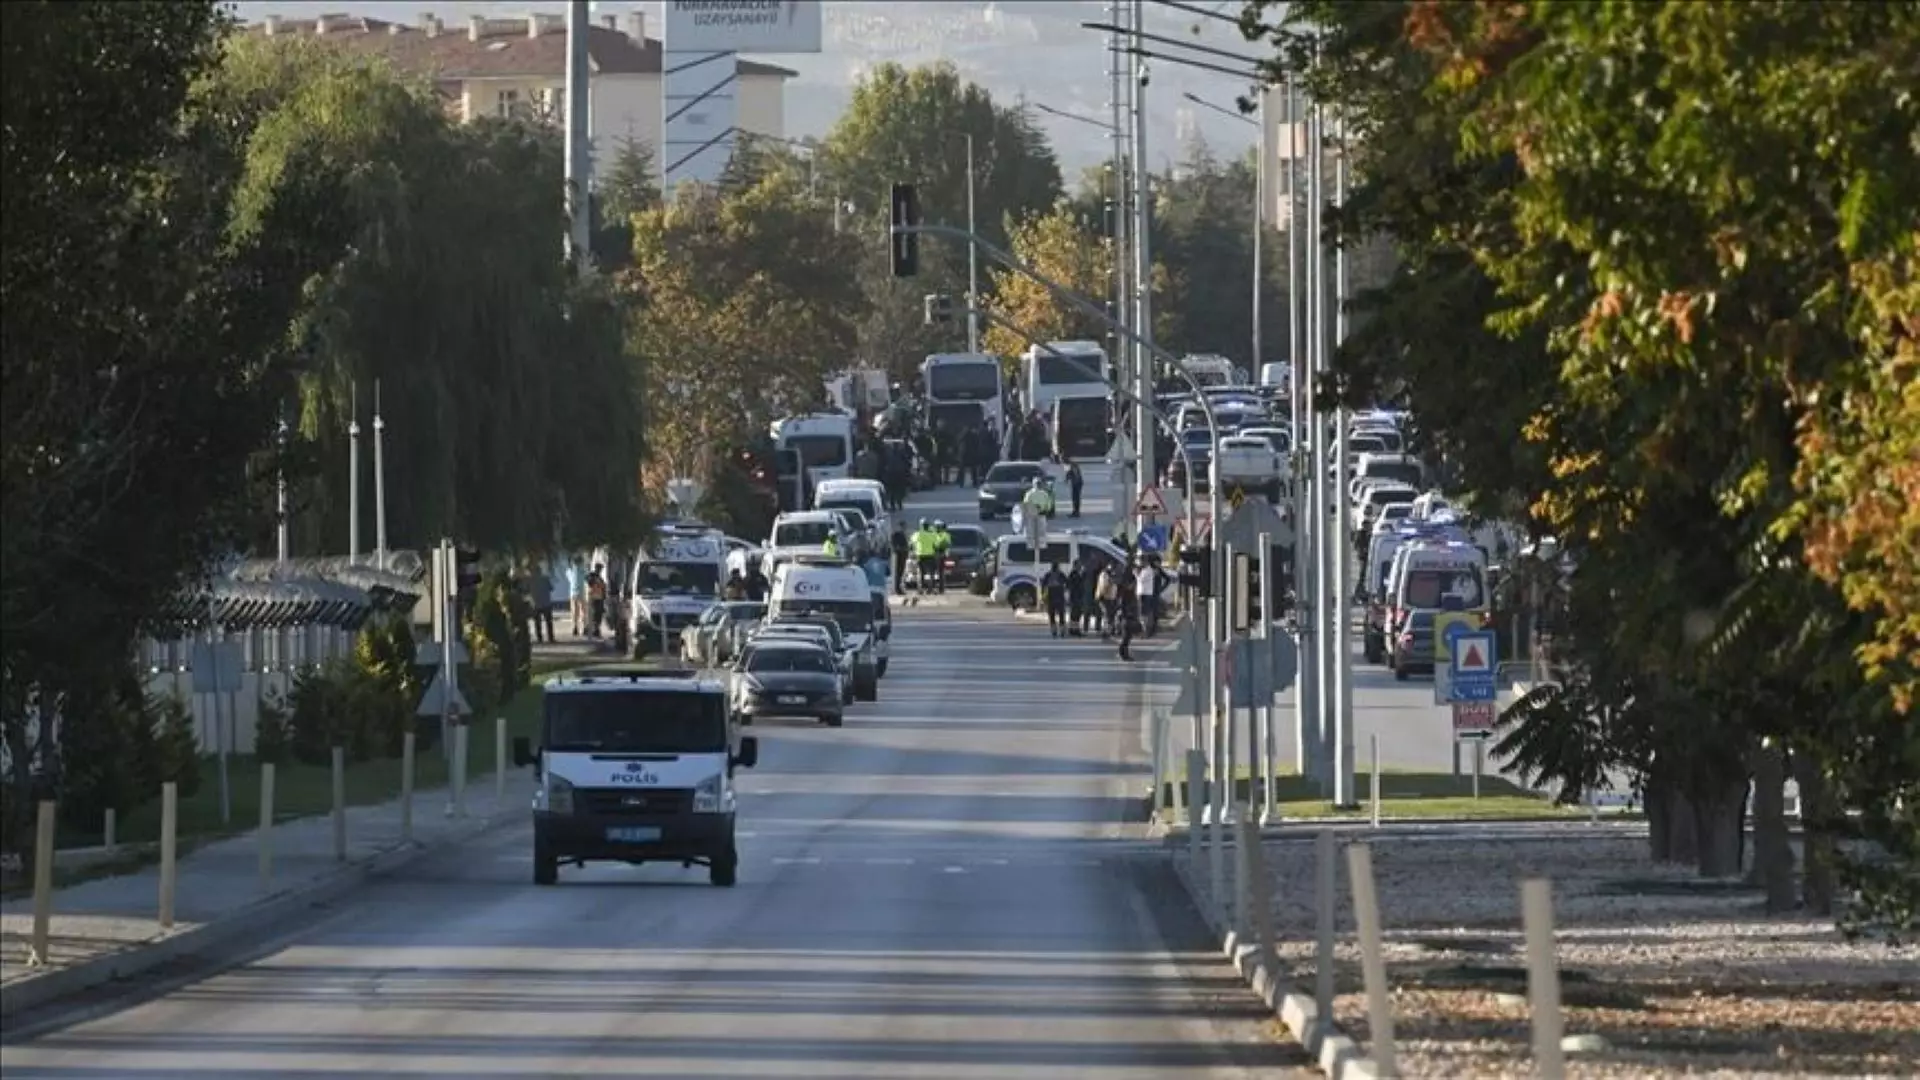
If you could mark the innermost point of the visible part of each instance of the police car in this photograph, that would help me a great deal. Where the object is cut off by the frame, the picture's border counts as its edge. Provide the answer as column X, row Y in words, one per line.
column 1017, row 568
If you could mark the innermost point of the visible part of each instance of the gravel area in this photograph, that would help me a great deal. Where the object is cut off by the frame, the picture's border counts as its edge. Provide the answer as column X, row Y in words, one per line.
column 1677, row 975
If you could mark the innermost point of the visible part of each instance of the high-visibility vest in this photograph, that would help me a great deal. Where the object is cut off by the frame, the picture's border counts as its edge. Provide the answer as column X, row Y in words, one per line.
column 924, row 543
column 942, row 540
column 831, row 547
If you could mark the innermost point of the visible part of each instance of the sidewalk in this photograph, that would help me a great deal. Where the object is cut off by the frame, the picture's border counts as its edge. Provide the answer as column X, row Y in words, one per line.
column 107, row 929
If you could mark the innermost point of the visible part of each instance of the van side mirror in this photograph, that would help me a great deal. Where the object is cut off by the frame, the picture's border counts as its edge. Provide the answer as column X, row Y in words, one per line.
column 523, row 754
column 749, row 754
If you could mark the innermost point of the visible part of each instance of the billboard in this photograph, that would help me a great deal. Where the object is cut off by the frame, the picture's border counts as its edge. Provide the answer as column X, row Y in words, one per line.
column 752, row 26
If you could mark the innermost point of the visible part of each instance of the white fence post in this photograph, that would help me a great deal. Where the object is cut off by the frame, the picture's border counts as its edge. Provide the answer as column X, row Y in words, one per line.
column 340, row 804
column 1373, row 962
column 1324, row 900
column 1543, row 978
column 43, row 883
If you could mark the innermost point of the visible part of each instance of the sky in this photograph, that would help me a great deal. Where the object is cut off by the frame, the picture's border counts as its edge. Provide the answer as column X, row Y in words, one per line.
column 1012, row 48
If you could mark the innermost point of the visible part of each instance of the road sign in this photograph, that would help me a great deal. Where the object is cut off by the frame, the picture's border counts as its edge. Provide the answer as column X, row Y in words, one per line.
column 437, row 690
column 1446, row 626
column 1153, row 539
column 1151, row 502
column 1235, row 496
column 1470, row 675
column 1472, row 719
column 1120, row 450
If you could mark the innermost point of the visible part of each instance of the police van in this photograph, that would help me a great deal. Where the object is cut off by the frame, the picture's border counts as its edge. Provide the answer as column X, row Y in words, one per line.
column 1017, row 568
column 635, row 766
column 820, row 586
column 1429, row 577
column 676, row 578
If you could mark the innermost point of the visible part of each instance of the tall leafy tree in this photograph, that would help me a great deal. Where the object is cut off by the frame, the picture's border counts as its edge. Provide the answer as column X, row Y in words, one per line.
column 744, row 304
column 148, row 288
column 1059, row 247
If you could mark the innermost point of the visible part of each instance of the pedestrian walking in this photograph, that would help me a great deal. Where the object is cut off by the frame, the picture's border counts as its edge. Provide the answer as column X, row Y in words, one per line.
column 540, row 598
column 1053, row 586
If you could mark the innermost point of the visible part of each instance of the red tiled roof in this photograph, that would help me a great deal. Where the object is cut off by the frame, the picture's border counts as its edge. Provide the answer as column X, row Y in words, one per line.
column 505, row 49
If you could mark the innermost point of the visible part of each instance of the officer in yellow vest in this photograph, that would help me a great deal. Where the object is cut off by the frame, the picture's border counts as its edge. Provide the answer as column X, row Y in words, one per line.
column 831, row 548
column 925, row 546
column 942, row 540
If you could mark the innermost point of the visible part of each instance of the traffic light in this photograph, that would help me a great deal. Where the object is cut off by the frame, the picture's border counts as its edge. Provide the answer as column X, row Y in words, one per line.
column 904, row 250
column 466, row 574
column 1196, row 570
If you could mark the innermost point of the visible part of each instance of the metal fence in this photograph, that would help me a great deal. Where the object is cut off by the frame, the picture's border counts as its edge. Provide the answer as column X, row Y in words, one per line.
column 284, row 619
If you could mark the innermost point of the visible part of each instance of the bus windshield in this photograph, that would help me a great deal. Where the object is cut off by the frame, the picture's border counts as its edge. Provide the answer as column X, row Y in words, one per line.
column 1057, row 370
column 963, row 382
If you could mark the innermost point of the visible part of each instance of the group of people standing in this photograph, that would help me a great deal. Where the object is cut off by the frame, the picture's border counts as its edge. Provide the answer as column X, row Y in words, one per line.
column 1120, row 600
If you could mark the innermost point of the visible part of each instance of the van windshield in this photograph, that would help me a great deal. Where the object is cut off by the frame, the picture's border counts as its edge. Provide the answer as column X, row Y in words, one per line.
column 679, row 579
column 1406, row 472
column 635, row 722
column 853, row 616
column 801, row 533
column 819, row 450
column 1435, row 589
column 851, row 503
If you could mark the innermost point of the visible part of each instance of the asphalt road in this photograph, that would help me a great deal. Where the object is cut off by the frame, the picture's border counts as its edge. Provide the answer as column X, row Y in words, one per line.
column 947, row 887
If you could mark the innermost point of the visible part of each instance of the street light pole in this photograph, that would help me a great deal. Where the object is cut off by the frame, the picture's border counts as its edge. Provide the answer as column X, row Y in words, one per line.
column 1344, row 793
column 1119, row 190
column 973, row 261
column 578, row 161
column 1259, row 227
column 353, row 482
column 1316, row 320
column 1145, row 471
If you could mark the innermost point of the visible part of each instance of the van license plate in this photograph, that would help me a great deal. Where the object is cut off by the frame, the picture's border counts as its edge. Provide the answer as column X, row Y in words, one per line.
column 793, row 699
column 633, row 834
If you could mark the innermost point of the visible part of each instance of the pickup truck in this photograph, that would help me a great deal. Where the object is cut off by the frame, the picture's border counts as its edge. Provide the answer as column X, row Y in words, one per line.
column 1250, row 463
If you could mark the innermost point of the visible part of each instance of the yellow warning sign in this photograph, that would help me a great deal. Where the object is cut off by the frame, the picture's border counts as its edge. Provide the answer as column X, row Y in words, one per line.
column 1442, row 643
column 1235, row 497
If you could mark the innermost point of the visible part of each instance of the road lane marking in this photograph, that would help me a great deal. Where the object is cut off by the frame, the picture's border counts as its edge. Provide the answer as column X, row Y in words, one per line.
column 811, row 860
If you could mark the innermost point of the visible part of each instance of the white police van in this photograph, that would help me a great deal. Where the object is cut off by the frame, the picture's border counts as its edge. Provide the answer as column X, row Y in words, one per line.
column 676, row 578
column 635, row 766
column 814, row 585
column 1017, row 568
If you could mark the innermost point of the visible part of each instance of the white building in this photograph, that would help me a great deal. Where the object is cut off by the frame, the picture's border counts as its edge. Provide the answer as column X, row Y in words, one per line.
column 506, row 66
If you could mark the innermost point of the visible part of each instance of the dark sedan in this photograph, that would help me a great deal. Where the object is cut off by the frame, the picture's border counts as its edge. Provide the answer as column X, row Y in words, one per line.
column 1006, row 484
column 966, row 554
column 787, row 679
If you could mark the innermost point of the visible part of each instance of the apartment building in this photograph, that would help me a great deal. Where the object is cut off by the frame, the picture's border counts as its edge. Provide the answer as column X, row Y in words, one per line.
column 518, row 66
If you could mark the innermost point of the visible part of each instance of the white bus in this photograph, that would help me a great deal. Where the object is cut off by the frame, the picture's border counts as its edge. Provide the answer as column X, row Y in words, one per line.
column 962, row 389
column 1208, row 369
column 1062, row 369
column 824, row 441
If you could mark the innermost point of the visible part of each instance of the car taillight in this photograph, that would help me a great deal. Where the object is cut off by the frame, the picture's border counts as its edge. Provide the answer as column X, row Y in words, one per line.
column 950, row 564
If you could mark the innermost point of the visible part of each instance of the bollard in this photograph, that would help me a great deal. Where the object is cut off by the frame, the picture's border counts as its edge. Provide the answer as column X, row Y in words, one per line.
column 340, row 804
column 459, row 785
column 1479, row 763
column 111, row 830
column 1262, row 897
column 1543, row 977
column 500, row 759
column 169, row 868
column 1196, row 797
column 1373, row 963
column 406, row 788
column 43, row 883
column 1323, row 927
column 1156, row 751
column 1373, row 741
column 266, row 826
column 1243, row 874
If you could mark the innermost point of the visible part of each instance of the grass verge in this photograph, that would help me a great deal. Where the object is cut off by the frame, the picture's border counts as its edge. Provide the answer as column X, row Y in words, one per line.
column 1403, row 794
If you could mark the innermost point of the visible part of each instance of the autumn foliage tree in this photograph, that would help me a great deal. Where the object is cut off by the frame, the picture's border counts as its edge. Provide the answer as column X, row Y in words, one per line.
column 1656, row 288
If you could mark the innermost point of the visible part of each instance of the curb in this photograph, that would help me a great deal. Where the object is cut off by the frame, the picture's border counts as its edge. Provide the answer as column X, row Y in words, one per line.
column 39, row 990
column 1332, row 1050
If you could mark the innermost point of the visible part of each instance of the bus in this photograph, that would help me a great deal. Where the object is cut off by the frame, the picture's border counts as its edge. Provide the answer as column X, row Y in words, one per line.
column 1062, row 369
column 1208, row 369
column 964, row 389
column 1082, row 427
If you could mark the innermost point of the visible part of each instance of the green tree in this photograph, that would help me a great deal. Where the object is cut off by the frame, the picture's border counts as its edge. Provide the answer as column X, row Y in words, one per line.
column 456, row 302
column 1059, row 247
column 630, row 185
column 149, row 286
column 743, row 304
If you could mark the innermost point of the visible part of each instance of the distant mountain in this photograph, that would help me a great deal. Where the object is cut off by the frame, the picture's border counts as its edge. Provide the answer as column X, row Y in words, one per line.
column 1031, row 48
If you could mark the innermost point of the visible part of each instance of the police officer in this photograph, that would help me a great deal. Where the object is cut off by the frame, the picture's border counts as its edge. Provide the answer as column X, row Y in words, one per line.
column 899, row 545
column 942, row 541
column 1054, row 587
column 925, row 545
column 831, row 548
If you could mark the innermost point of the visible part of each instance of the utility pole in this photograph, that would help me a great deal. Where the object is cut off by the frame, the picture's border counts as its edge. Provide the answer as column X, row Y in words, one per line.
column 1318, row 462
column 1145, row 471
column 973, row 261
column 1117, row 11
column 579, row 161
column 282, row 540
column 353, row 480
column 1259, row 225
column 1300, row 374
column 379, row 481
column 1343, row 789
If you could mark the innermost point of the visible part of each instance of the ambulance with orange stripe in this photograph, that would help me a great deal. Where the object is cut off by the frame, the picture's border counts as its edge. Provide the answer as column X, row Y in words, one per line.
column 1429, row 577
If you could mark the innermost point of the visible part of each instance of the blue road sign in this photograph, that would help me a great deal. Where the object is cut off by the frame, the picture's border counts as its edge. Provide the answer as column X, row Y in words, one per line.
column 1471, row 676
column 1153, row 539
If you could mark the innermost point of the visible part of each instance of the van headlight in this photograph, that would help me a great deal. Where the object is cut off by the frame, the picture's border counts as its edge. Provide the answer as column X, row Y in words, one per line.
column 559, row 795
column 706, row 796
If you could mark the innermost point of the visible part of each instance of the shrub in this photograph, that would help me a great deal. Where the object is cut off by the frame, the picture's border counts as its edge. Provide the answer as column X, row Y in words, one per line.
column 500, row 616
column 107, row 755
column 317, row 711
column 176, row 748
column 386, row 692
column 272, row 734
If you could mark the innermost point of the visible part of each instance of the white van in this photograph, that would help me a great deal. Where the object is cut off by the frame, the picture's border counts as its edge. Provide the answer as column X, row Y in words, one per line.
column 824, row 442
column 867, row 496
column 840, row 591
column 634, row 766
column 1017, row 568
column 804, row 532
column 1280, row 375
column 1429, row 578
column 675, row 579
